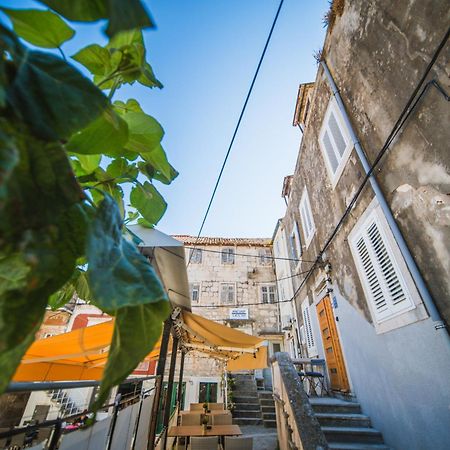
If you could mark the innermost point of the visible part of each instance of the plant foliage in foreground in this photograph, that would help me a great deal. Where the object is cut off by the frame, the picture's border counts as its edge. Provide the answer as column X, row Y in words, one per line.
column 66, row 150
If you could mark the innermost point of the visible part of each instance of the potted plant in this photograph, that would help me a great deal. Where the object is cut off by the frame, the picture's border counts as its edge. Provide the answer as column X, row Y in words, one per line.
column 205, row 407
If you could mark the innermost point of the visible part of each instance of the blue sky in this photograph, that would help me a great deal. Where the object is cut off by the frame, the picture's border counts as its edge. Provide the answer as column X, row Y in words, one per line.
column 205, row 53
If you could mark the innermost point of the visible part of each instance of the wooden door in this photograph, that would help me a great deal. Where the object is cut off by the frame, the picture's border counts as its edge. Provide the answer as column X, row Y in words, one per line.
column 332, row 346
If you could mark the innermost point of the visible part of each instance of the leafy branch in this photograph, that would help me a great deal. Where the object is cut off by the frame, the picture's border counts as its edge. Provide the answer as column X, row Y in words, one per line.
column 66, row 149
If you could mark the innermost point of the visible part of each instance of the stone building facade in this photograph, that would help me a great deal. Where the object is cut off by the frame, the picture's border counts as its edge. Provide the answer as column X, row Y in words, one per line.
column 232, row 281
column 371, row 289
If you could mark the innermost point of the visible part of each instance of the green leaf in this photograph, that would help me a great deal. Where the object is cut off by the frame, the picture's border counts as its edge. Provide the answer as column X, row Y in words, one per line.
column 107, row 134
column 144, row 132
column 131, row 105
column 122, row 14
column 13, row 272
column 10, row 359
column 114, row 190
column 119, row 168
column 43, row 222
column 41, row 28
column 136, row 331
column 162, row 170
column 148, row 201
column 62, row 297
column 53, row 98
column 118, row 274
column 79, row 10
column 89, row 162
column 127, row 15
column 95, row 58
column 9, row 158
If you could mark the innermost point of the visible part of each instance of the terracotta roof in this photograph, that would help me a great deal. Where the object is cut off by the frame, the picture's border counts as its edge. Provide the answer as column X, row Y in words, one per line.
column 191, row 240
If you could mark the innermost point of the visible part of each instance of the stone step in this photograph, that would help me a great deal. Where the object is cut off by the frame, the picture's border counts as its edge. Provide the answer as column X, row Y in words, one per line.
column 247, row 406
column 268, row 409
column 353, row 435
column 246, row 399
column 247, row 413
column 269, row 416
column 270, row 423
column 266, row 402
column 356, row 446
column 265, row 394
column 334, row 405
column 343, row 420
column 247, row 421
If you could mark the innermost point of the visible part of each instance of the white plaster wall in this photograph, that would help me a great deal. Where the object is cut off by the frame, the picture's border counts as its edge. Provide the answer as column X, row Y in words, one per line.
column 401, row 378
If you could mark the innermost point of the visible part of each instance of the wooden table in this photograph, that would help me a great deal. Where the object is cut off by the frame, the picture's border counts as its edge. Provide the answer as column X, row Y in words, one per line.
column 212, row 412
column 197, row 430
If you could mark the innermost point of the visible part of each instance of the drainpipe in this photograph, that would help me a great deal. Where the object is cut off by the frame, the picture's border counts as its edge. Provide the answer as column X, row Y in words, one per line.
column 409, row 260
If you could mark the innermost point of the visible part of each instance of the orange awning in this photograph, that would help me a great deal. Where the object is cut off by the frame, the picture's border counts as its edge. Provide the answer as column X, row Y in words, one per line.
column 82, row 354
column 78, row 355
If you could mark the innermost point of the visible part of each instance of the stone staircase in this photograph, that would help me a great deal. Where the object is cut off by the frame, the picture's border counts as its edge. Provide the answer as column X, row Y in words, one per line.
column 247, row 409
column 267, row 408
column 253, row 406
column 344, row 426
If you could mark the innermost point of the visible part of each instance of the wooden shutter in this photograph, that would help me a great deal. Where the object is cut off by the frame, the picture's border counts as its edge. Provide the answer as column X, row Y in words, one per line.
column 379, row 271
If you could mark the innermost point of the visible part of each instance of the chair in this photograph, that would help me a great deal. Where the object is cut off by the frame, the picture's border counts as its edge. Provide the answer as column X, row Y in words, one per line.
column 203, row 443
column 222, row 419
column 190, row 419
column 212, row 406
column 196, row 406
column 238, row 443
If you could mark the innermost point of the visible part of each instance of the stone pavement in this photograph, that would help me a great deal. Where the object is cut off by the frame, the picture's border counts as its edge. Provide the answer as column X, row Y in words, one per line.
column 263, row 438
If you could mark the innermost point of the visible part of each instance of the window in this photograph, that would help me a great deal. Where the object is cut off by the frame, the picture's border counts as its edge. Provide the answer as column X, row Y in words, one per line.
column 195, row 292
column 306, row 217
column 268, row 293
column 195, row 256
column 265, row 256
column 227, row 293
column 308, row 332
column 228, row 255
column 334, row 141
column 378, row 269
column 295, row 243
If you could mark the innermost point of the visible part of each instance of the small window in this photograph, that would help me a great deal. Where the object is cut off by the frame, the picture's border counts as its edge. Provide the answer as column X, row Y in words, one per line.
column 228, row 255
column 227, row 294
column 309, row 336
column 307, row 218
column 379, row 272
column 195, row 292
column 268, row 293
column 265, row 256
column 334, row 141
column 195, row 256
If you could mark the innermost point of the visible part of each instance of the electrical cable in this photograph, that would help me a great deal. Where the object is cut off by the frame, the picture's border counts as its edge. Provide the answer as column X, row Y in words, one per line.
column 252, row 256
column 406, row 112
column 239, row 122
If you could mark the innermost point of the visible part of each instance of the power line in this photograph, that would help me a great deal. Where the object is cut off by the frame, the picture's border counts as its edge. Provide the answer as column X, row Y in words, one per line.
column 403, row 117
column 248, row 255
column 238, row 122
column 243, row 304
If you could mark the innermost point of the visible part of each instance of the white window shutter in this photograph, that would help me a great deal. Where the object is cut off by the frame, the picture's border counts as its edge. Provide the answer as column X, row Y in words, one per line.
column 330, row 152
column 379, row 272
column 309, row 336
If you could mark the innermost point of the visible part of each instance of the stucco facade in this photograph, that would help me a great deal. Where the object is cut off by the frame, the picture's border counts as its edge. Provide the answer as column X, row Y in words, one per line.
column 397, row 362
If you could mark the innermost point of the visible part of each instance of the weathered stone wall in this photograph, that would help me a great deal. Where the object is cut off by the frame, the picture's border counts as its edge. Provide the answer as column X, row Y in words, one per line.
column 377, row 54
column 248, row 273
